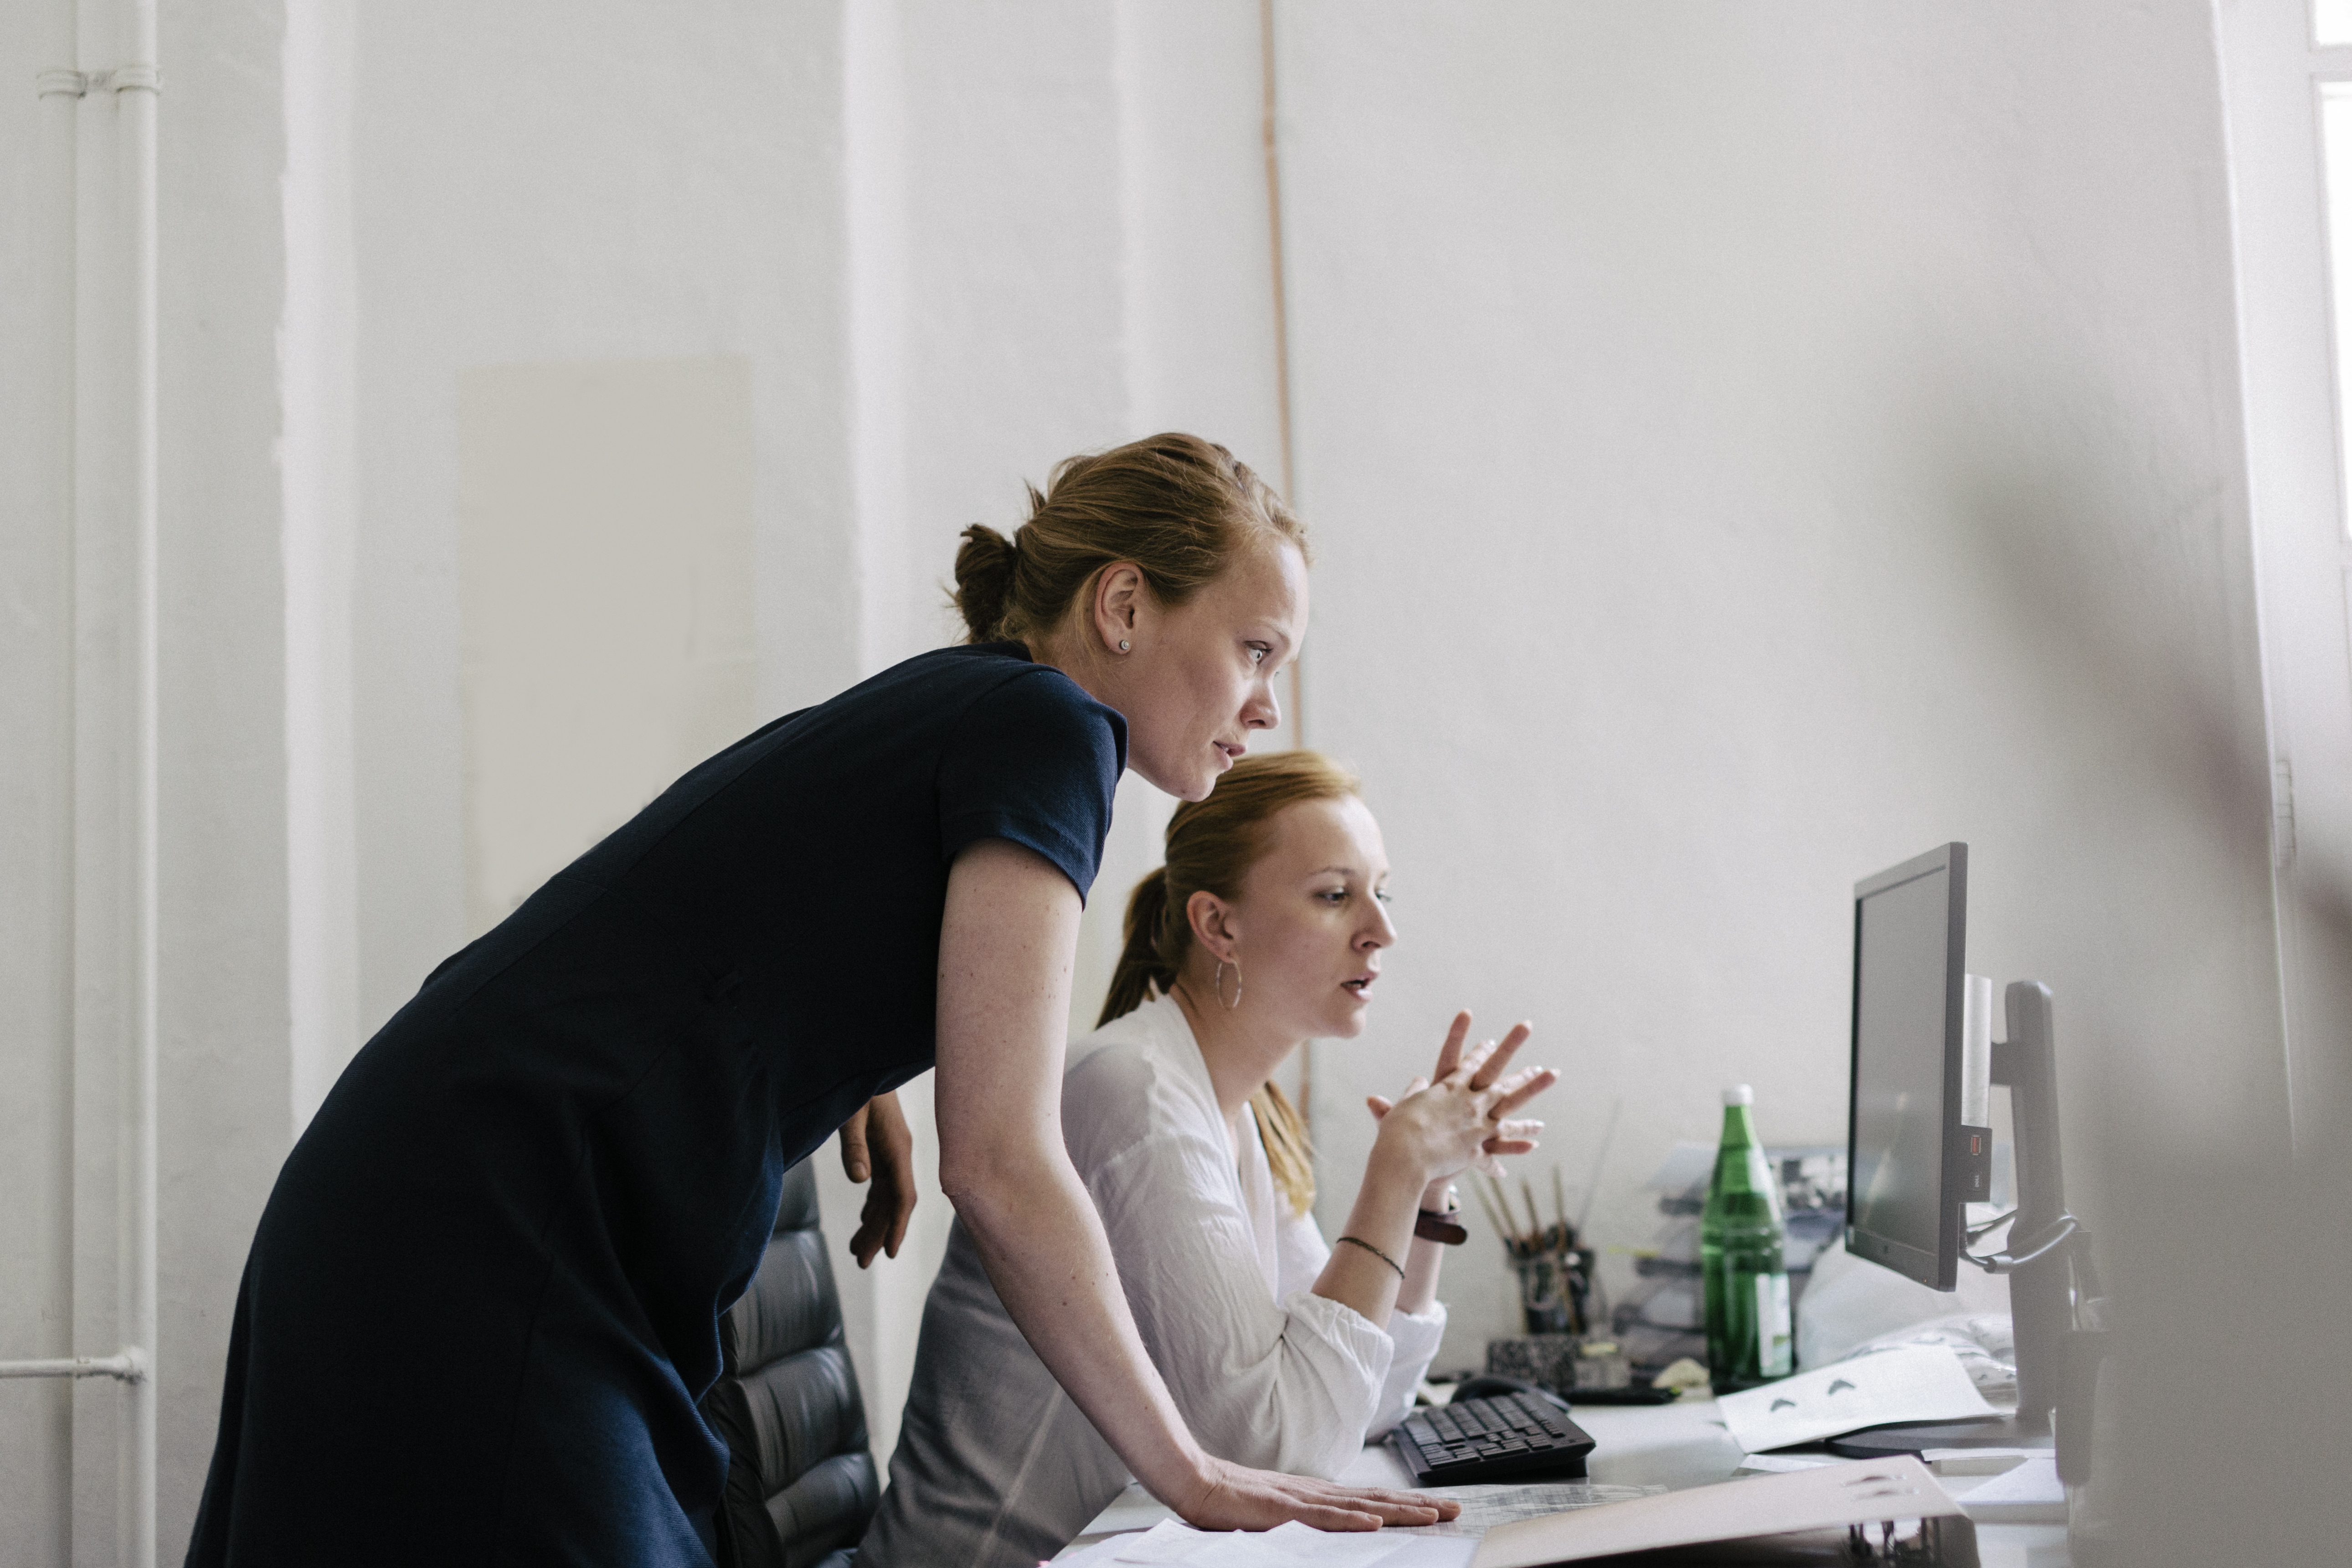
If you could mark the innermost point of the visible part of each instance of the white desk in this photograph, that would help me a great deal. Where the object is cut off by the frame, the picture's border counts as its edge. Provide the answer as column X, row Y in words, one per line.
column 1671, row 1446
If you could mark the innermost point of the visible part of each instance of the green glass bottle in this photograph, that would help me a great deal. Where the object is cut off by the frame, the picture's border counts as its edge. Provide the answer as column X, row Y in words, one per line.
column 1742, row 1240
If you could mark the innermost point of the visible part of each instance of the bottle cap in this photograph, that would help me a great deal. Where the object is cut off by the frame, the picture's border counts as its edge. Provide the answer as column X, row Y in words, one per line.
column 1739, row 1094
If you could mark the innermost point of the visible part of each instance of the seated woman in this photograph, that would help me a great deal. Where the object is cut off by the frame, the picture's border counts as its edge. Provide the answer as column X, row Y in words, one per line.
column 1263, row 930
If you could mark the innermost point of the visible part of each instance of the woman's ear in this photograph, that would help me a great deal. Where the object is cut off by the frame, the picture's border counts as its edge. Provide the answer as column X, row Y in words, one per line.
column 1121, row 596
column 1211, row 920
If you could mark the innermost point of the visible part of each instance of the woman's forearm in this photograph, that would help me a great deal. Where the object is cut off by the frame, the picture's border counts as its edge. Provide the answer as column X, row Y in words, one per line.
column 1367, row 1257
column 1004, row 978
column 1418, row 1294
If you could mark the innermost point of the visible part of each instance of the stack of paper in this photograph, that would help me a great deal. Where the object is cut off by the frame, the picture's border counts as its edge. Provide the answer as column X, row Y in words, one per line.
column 1169, row 1544
column 1484, row 1507
column 1864, row 1493
column 1915, row 1383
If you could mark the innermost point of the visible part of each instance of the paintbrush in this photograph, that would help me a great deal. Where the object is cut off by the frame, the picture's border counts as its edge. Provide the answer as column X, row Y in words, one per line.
column 1501, row 1228
column 1593, row 1186
column 1512, row 1237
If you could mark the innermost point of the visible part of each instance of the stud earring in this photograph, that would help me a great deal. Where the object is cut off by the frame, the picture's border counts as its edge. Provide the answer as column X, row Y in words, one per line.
column 1122, row 645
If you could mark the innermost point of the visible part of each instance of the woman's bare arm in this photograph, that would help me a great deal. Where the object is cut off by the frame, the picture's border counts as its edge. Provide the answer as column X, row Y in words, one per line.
column 1005, row 948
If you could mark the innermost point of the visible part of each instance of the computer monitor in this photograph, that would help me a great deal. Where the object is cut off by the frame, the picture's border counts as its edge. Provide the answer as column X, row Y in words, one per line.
column 1911, row 1162
column 1917, row 1147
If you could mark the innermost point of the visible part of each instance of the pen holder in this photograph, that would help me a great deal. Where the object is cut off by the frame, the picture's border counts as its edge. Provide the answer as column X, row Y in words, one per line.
column 1555, row 1274
column 1546, row 1297
column 1555, row 1282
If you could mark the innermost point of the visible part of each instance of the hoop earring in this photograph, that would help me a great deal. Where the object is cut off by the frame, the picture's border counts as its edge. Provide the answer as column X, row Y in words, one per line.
column 1219, row 982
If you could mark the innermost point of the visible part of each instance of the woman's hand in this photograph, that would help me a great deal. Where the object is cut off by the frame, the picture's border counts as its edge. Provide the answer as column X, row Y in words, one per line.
column 1436, row 1130
column 1230, row 1497
column 1430, row 1132
column 876, row 1142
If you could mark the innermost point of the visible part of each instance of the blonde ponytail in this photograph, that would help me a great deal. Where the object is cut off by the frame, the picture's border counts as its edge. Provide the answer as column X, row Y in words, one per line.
column 1289, row 1155
column 1140, row 973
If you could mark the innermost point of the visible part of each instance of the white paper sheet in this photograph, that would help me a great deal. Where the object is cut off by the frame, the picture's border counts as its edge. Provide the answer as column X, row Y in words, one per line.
column 1915, row 1383
column 1292, row 1545
column 1864, row 1492
column 1484, row 1507
column 2030, row 1494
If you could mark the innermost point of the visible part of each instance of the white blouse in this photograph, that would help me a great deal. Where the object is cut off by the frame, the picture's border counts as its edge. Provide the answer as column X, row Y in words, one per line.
column 996, row 1466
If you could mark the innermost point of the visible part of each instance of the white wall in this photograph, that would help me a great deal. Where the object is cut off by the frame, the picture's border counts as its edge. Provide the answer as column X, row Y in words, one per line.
column 1750, row 446
column 544, row 186
column 225, row 1088
column 605, row 516
column 317, row 450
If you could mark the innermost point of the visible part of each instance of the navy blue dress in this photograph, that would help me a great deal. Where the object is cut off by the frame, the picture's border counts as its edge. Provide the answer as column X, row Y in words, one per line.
column 483, row 1296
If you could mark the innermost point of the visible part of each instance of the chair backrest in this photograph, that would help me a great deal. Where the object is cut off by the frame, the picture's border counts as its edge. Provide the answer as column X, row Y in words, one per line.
column 800, row 1475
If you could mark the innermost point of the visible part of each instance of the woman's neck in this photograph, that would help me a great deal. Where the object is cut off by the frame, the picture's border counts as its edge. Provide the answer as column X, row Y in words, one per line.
column 1062, row 647
column 1240, row 1055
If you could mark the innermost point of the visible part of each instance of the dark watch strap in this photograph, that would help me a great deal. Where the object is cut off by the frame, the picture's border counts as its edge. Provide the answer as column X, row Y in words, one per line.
column 1439, row 1228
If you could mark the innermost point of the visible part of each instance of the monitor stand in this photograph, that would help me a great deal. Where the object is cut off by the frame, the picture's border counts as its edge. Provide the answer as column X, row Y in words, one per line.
column 2042, row 1282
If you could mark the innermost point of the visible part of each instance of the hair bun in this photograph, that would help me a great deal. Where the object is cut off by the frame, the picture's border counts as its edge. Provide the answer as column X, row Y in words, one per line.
column 984, row 566
column 1176, row 508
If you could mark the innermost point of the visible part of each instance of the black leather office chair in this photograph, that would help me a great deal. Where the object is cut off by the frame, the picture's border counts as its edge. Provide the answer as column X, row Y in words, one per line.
column 801, row 1486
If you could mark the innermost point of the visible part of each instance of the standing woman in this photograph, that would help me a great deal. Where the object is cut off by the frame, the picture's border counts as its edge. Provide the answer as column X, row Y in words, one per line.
column 483, row 1298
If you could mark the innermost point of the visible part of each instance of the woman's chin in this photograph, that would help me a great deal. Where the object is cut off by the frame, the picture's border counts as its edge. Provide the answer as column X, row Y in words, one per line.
column 1347, row 1020
column 1184, row 784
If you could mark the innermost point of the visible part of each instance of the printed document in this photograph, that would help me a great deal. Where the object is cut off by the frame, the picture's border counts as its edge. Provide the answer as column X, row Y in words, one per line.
column 1914, row 1382
column 1830, row 1498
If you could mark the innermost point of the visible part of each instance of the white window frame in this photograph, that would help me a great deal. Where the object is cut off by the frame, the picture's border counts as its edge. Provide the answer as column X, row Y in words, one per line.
column 2272, row 76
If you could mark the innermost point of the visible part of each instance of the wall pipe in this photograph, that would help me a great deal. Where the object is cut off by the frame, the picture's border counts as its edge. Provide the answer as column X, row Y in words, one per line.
column 131, row 90
column 129, row 1367
column 58, row 93
column 136, row 88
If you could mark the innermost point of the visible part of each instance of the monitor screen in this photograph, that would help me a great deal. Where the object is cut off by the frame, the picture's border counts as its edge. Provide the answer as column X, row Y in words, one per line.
column 1909, row 990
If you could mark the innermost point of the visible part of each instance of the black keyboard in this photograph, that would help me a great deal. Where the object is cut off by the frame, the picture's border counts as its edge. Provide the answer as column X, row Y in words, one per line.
column 1512, row 1437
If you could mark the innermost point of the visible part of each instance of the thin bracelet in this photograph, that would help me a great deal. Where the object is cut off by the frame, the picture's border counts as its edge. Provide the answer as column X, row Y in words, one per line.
column 1376, row 1252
